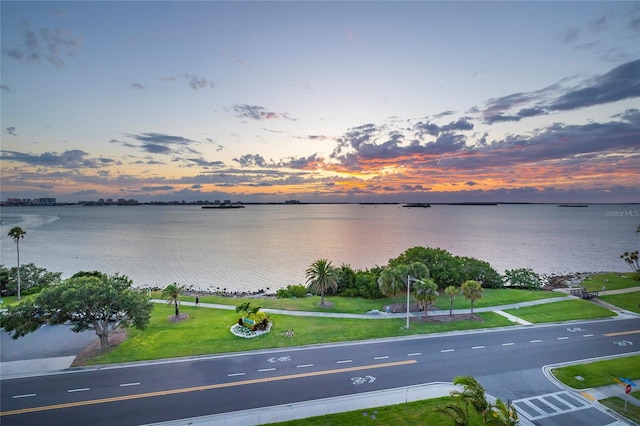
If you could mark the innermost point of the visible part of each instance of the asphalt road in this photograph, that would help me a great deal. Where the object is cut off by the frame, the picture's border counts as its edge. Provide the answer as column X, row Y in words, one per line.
column 47, row 342
column 507, row 362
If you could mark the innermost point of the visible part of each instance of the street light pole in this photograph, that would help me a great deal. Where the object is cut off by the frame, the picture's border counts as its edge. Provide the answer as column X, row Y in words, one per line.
column 409, row 278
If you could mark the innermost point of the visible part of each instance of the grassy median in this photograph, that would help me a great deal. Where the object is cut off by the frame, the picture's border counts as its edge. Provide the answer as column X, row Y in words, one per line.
column 566, row 310
column 206, row 331
column 412, row 413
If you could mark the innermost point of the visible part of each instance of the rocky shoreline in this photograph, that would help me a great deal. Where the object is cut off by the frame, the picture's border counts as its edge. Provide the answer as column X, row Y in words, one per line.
column 551, row 282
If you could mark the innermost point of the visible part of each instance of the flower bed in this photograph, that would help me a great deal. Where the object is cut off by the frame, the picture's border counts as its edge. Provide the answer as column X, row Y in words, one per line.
column 247, row 333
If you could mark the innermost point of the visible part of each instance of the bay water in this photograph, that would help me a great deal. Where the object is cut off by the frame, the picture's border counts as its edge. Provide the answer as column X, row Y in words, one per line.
column 266, row 247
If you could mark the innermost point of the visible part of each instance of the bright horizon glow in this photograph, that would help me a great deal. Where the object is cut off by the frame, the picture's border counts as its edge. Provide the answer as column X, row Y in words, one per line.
column 321, row 101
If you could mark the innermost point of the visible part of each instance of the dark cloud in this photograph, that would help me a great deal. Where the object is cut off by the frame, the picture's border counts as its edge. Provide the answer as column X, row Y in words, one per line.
column 160, row 143
column 423, row 128
column 68, row 159
column 302, row 162
column 249, row 160
column 11, row 131
column 154, row 148
column 204, row 163
column 258, row 113
column 197, row 82
column 137, row 86
column 45, row 44
column 157, row 188
column 5, row 88
column 161, row 138
column 623, row 82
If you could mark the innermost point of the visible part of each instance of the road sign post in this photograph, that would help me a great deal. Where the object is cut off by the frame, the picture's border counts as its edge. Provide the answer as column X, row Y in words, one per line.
column 627, row 390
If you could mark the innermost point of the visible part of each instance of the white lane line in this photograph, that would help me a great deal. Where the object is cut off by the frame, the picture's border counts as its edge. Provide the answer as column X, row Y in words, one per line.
column 562, row 338
column 266, row 369
column 344, row 361
column 508, row 344
column 304, row 365
column 414, row 354
column 129, row 384
column 78, row 390
column 380, row 357
column 447, row 350
column 477, row 347
column 535, row 341
column 26, row 395
column 587, row 335
column 235, row 374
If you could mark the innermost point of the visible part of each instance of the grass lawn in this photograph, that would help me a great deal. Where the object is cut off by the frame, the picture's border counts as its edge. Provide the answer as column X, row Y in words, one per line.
column 599, row 373
column 628, row 301
column 561, row 311
column 13, row 300
column 617, row 405
column 206, row 331
column 358, row 305
column 410, row 414
column 616, row 281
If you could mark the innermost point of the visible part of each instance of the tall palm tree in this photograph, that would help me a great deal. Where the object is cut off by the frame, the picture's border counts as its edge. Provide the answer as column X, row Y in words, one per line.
column 426, row 293
column 17, row 233
column 321, row 276
column 451, row 291
column 172, row 294
column 390, row 283
column 472, row 290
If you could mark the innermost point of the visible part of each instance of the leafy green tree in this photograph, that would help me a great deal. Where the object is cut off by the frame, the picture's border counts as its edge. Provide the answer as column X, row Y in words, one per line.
column 172, row 294
column 321, row 277
column 16, row 233
column 478, row 270
column 427, row 293
column 444, row 268
column 102, row 304
column 452, row 291
column 346, row 281
column 472, row 291
column 523, row 278
column 33, row 279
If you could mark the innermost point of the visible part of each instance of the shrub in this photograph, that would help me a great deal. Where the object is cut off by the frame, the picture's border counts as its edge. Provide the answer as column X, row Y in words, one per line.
column 292, row 291
column 522, row 278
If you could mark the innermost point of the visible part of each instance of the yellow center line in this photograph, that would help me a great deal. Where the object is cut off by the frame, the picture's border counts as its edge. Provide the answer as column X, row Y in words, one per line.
column 622, row 333
column 201, row 388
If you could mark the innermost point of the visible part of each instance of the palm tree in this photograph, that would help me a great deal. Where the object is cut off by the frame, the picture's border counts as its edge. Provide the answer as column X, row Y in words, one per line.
column 17, row 233
column 426, row 293
column 390, row 283
column 472, row 394
column 172, row 294
column 472, row 290
column 451, row 291
column 504, row 414
column 456, row 411
column 321, row 276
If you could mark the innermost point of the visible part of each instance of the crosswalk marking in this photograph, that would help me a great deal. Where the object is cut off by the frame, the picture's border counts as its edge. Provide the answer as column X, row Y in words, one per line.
column 548, row 405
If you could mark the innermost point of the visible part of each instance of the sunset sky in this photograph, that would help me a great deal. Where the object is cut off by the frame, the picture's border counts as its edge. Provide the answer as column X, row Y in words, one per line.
column 321, row 101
